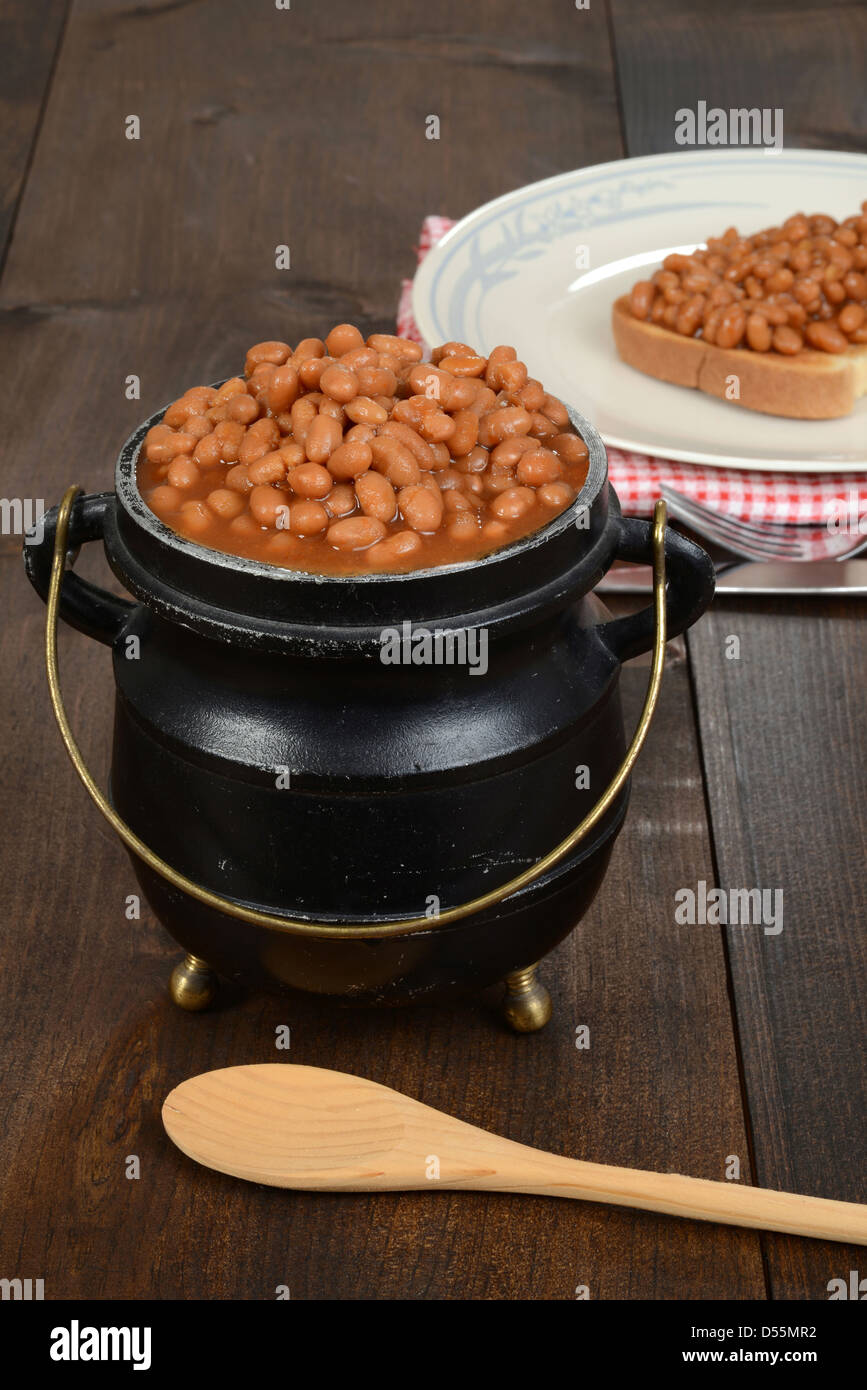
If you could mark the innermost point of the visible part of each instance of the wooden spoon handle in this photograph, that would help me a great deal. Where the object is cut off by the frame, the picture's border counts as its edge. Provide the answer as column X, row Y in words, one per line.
column 697, row 1198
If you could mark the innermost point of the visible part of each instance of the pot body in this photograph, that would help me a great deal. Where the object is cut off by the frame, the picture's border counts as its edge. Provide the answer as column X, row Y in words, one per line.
column 266, row 751
column 345, row 790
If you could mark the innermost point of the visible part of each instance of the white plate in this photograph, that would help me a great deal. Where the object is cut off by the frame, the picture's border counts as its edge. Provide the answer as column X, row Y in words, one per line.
column 512, row 272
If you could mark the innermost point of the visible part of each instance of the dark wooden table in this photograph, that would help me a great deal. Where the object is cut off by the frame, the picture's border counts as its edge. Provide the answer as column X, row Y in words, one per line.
column 155, row 258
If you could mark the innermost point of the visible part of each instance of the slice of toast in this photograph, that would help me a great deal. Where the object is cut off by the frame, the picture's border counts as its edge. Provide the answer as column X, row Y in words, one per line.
column 809, row 386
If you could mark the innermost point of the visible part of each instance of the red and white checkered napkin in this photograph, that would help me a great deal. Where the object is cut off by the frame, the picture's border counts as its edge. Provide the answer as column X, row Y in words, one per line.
column 749, row 496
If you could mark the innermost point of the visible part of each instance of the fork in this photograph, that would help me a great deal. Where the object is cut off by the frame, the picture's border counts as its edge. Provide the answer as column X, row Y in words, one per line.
column 772, row 540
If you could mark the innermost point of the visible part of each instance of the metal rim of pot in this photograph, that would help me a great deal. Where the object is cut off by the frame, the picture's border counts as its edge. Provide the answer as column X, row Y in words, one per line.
column 375, row 928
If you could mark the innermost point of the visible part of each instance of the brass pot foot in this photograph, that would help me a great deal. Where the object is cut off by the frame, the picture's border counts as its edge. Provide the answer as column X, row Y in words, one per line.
column 193, row 984
column 527, row 1003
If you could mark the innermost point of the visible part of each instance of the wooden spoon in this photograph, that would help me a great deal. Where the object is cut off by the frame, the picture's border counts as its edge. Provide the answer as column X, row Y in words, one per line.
column 327, row 1131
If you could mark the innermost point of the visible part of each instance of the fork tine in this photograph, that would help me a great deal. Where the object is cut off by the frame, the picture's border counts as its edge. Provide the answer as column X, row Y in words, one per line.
column 789, row 534
column 729, row 533
column 751, row 528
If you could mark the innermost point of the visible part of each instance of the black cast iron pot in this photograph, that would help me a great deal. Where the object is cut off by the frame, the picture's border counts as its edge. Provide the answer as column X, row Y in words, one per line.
column 410, row 787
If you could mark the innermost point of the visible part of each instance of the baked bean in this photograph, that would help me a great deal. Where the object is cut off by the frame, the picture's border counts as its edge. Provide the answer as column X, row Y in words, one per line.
column 340, row 500
column 310, row 372
column 407, row 436
column 513, row 503
column 183, row 473
column 349, row 460
column 436, row 426
column 307, row 518
column 499, row 424
column 556, row 495
column 363, row 411
column 327, row 406
column 355, row 532
column 236, row 385
column 256, row 445
column 456, row 501
column 393, row 550
column 570, row 447
column 278, row 547
column 758, row 331
column 476, row 461
column 411, row 410
column 532, row 396
column 180, row 411
column 504, row 352
column 307, row 348
column 310, row 480
column 541, row 466
column 360, row 434
column 403, row 348
column 507, row 453
column 500, row 482
column 359, row 357
column 283, row 389
column 161, row 444
column 242, row 409
column 259, row 379
column 732, row 326
column 207, row 452
column 556, row 411
column 484, row 399
column 848, row 320
column 376, row 496
column 245, row 528
column 392, row 458
column 344, row 338
column 440, row 455
column 238, row 479
column 266, row 504
column 194, row 518
column 272, row 352
column 270, row 468
column 465, row 433
column 339, row 383
column 323, row 436
column 468, row 364
column 787, row 340
column 641, row 298
column 165, row 498
column 376, row 381
column 198, row 426
column 451, row 349
column 225, row 503
column 420, row 507
column 464, row 527
column 826, row 336
column 542, row 427
column 291, row 452
column 461, row 392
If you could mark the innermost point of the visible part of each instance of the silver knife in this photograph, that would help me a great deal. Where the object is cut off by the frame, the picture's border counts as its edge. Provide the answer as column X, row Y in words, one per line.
column 830, row 578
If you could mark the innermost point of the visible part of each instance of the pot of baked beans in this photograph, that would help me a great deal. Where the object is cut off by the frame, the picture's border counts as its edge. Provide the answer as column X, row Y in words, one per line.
column 366, row 785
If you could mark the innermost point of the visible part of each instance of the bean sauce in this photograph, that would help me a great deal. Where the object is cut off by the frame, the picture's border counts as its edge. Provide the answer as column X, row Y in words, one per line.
column 348, row 455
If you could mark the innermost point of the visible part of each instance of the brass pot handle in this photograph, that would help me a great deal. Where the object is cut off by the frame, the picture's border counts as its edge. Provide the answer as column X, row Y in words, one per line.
column 373, row 929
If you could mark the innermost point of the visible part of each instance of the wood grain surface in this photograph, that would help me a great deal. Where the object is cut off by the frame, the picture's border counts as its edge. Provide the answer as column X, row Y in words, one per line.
column 156, row 258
